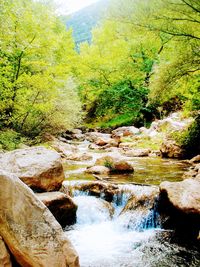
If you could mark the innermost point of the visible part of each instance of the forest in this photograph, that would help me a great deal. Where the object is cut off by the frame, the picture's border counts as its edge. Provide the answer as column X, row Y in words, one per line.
column 143, row 63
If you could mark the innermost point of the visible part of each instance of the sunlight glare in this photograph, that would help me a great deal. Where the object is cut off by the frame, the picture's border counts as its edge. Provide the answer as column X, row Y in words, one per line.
column 70, row 6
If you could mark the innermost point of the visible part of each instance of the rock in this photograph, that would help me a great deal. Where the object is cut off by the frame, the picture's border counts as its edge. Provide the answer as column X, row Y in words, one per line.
column 183, row 195
column 101, row 142
column 98, row 170
column 169, row 149
column 61, row 206
column 4, row 255
column 29, row 229
column 195, row 159
column 180, row 201
column 79, row 157
column 74, row 134
column 70, row 152
column 137, row 152
column 105, row 190
column 126, row 145
column 175, row 122
column 140, row 209
column 125, row 131
column 116, row 165
column 142, row 202
column 94, row 147
column 95, row 136
column 38, row 167
column 64, row 148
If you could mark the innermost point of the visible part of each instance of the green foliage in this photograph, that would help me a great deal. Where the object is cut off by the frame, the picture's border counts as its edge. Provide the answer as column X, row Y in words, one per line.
column 189, row 139
column 37, row 92
column 10, row 139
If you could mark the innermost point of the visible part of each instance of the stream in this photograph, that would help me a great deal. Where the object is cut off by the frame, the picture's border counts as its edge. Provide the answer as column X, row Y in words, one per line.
column 107, row 235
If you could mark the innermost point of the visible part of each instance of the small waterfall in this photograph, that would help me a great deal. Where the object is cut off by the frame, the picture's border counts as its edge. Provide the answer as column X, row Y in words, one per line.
column 122, row 233
column 92, row 210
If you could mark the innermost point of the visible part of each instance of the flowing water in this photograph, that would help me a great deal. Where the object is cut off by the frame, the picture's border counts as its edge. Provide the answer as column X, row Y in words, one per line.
column 106, row 235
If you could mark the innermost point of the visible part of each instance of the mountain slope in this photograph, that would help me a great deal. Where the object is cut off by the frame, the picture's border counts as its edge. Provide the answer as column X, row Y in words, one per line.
column 84, row 20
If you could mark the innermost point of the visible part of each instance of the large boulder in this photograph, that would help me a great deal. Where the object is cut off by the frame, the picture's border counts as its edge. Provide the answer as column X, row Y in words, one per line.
column 180, row 203
column 170, row 149
column 116, row 165
column 184, row 195
column 29, row 229
column 38, row 167
column 4, row 255
column 61, row 206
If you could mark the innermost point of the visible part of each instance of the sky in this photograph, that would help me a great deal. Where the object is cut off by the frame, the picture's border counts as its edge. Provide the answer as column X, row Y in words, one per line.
column 70, row 6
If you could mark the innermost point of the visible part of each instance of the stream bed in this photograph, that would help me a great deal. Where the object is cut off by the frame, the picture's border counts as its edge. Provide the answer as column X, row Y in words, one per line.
column 105, row 236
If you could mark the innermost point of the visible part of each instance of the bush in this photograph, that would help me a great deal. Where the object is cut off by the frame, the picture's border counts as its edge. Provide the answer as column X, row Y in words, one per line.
column 190, row 139
column 10, row 140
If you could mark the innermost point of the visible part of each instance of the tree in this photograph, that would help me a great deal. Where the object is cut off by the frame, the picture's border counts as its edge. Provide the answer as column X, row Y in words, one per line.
column 36, row 92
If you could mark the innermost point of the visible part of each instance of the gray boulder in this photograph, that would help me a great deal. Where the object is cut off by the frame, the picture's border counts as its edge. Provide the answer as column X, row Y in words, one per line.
column 38, row 167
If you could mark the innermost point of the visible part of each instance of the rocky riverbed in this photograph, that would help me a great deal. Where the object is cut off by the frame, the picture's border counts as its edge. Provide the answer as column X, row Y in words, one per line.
column 118, row 203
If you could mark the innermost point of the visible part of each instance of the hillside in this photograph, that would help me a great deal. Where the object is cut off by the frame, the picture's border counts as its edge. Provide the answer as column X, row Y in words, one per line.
column 84, row 20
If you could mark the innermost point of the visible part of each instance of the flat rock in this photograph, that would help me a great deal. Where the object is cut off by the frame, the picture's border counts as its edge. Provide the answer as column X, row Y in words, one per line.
column 38, row 167
column 61, row 206
column 29, row 229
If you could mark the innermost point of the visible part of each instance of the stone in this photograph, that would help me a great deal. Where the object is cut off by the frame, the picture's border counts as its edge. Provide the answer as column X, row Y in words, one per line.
column 195, row 159
column 126, row 145
column 79, row 157
column 142, row 202
column 29, row 229
column 170, row 149
column 38, row 167
column 96, row 188
column 95, row 136
column 63, row 148
column 125, row 131
column 98, row 170
column 116, row 165
column 183, row 195
column 4, row 255
column 179, row 205
column 61, row 206
column 137, row 152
